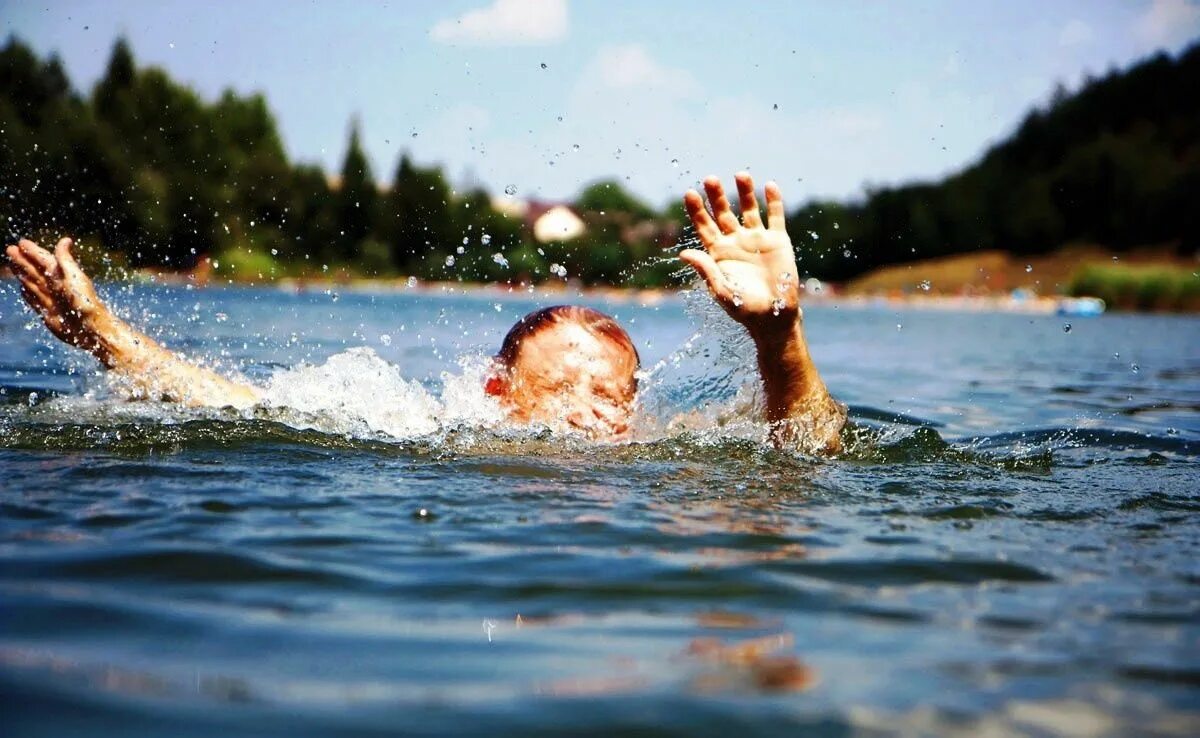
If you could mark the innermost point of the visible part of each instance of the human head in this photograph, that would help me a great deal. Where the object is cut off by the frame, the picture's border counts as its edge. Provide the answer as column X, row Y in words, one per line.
column 567, row 366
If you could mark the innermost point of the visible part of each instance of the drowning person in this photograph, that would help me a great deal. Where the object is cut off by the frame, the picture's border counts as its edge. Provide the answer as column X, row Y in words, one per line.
column 562, row 367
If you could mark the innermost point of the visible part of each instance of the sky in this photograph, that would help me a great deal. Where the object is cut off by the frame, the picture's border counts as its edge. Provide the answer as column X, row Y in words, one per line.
column 544, row 96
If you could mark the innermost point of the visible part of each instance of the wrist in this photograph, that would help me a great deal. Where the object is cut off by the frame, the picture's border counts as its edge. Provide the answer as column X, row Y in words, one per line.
column 778, row 334
column 115, row 344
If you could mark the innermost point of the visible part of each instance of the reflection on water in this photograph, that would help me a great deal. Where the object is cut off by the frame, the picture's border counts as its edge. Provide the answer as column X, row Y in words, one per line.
column 1008, row 545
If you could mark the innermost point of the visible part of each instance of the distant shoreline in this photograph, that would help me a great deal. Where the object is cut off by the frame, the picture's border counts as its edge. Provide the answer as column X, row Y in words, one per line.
column 830, row 295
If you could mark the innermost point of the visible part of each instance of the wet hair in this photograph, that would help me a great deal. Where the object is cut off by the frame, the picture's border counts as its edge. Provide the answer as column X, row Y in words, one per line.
column 593, row 320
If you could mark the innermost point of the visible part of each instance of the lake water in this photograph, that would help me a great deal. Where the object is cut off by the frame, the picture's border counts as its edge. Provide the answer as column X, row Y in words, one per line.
column 1011, row 547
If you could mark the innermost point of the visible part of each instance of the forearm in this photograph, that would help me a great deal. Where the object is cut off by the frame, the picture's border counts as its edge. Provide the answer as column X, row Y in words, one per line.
column 798, row 405
column 150, row 371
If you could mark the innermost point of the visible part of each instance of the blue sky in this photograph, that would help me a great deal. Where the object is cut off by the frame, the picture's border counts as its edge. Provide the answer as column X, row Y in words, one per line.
column 824, row 97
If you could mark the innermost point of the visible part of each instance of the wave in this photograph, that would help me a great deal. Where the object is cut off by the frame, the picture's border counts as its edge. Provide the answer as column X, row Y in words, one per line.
column 358, row 401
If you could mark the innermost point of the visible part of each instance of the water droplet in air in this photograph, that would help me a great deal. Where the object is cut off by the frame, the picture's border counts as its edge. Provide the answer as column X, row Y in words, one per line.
column 485, row 239
column 385, row 339
column 450, row 260
column 1028, row 268
column 499, row 259
column 925, row 285
column 899, row 326
column 846, row 253
column 460, row 250
column 1066, row 327
column 736, row 300
column 775, row 106
column 544, row 66
column 575, row 147
column 777, row 305
column 674, row 162
column 1134, row 368
column 510, row 190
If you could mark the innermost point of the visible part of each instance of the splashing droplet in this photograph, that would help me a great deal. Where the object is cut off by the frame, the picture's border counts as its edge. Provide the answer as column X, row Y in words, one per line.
column 510, row 190
column 499, row 259
column 925, row 285
column 545, row 66
column 777, row 305
column 1066, row 327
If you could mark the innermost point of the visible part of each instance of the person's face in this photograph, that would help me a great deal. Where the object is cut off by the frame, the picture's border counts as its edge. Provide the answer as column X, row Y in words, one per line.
column 567, row 376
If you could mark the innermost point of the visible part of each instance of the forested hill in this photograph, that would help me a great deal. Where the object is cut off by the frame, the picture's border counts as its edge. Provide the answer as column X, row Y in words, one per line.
column 1116, row 163
column 155, row 175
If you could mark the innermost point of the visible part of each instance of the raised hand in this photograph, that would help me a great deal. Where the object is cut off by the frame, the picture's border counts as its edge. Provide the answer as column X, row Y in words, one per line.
column 58, row 290
column 750, row 269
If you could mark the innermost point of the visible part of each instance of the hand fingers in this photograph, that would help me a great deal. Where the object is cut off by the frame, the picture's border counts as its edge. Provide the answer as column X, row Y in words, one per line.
column 746, row 201
column 726, row 220
column 707, row 268
column 25, row 269
column 37, row 299
column 775, row 215
column 706, row 229
column 39, row 256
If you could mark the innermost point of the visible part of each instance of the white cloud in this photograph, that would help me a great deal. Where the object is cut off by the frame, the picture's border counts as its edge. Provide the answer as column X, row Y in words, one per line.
column 1076, row 33
column 506, row 23
column 630, row 67
column 1169, row 21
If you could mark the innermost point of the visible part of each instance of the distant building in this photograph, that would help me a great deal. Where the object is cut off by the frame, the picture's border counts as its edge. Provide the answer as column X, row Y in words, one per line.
column 545, row 221
column 556, row 223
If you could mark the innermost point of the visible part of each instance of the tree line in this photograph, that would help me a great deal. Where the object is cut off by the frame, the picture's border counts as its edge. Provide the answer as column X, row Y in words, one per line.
column 1115, row 164
column 156, row 176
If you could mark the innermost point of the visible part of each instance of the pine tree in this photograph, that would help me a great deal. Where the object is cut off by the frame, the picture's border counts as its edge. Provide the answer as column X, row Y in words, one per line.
column 357, row 202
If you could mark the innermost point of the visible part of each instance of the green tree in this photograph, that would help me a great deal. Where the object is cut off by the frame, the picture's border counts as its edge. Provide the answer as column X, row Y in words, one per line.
column 357, row 200
column 419, row 220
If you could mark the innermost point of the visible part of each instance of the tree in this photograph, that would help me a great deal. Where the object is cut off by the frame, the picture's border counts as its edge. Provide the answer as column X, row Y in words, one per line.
column 357, row 209
column 609, row 197
column 420, row 226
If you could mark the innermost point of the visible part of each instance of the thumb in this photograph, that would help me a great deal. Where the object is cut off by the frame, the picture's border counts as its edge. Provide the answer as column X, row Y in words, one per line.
column 707, row 268
column 66, row 260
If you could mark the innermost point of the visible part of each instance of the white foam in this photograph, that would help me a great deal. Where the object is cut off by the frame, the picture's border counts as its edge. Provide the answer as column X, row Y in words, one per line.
column 357, row 391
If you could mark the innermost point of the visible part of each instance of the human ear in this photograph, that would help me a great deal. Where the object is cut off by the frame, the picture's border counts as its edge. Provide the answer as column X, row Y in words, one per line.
column 495, row 385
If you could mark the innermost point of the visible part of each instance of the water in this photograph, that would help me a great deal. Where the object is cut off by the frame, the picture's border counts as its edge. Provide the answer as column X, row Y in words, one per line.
column 1011, row 546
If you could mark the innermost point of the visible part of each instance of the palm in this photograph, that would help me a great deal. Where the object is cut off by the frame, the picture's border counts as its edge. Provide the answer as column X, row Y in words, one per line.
column 55, row 286
column 750, row 269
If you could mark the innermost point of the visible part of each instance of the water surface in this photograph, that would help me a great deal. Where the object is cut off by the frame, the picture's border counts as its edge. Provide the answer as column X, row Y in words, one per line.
column 1011, row 546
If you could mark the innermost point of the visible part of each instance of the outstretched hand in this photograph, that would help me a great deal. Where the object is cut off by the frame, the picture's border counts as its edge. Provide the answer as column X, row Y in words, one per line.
column 57, row 289
column 750, row 269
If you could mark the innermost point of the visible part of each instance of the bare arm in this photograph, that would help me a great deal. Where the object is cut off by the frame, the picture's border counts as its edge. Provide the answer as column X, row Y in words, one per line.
column 751, row 272
column 58, row 290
